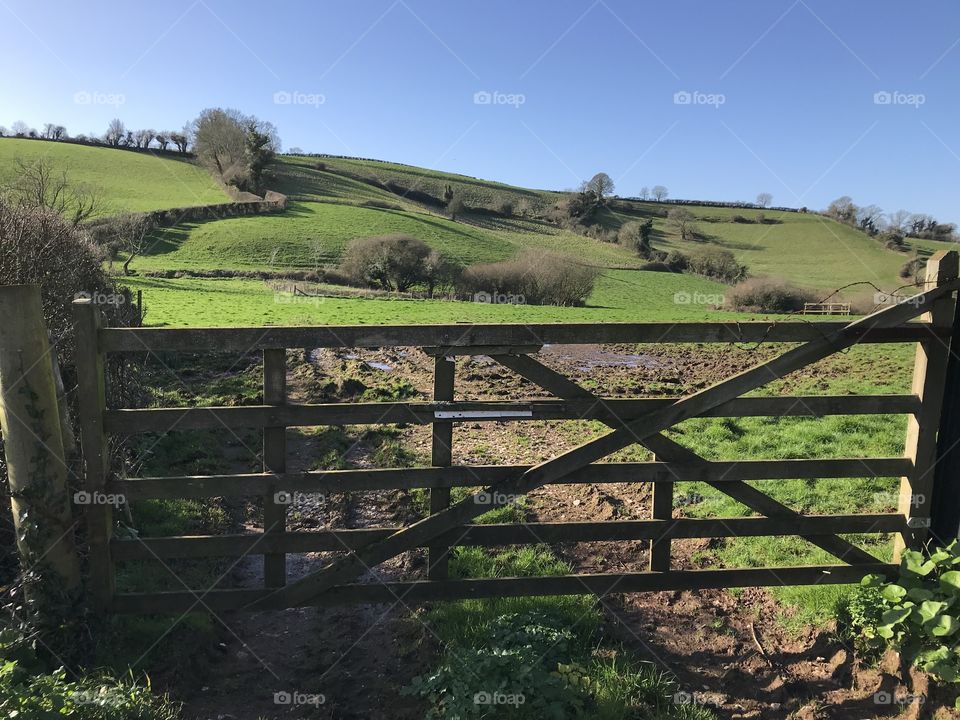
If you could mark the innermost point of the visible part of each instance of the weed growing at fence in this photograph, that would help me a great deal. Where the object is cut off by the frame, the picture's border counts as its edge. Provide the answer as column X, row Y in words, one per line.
column 537, row 657
column 917, row 615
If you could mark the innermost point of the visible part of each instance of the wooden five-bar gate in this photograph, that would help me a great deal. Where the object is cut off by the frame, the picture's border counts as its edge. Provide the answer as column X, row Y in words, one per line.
column 630, row 421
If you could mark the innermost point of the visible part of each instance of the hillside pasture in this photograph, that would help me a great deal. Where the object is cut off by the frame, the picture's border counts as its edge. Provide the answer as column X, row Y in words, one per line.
column 128, row 180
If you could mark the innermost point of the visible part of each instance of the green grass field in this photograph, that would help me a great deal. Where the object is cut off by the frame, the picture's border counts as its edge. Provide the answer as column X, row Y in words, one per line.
column 129, row 180
column 620, row 296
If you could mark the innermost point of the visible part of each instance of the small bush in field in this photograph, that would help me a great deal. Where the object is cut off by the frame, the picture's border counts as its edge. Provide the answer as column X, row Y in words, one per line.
column 537, row 278
column 769, row 296
column 716, row 263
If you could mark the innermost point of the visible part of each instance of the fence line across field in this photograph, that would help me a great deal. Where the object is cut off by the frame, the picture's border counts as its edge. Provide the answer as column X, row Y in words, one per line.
column 515, row 347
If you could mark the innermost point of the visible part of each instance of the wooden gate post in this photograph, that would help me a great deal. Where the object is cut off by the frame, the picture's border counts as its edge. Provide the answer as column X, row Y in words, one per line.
column 441, row 456
column 945, row 507
column 929, row 378
column 91, row 393
column 33, row 444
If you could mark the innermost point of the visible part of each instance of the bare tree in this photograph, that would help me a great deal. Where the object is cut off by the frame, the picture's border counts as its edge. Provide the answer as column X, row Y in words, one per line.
column 163, row 139
column 764, row 199
column 20, row 129
column 659, row 192
column 143, row 138
column 899, row 221
column 843, row 209
column 600, row 186
column 42, row 184
column 131, row 233
column 219, row 140
column 682, row 220
column 868, row 218
column 115, row 133
column 644, row 193
column 181, row 140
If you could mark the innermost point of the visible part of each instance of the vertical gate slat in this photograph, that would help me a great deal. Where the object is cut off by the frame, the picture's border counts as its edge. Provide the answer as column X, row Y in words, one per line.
column 929, row 378
column 441, row 456
column 274, row 461
column 662, row 509
column 91, row 394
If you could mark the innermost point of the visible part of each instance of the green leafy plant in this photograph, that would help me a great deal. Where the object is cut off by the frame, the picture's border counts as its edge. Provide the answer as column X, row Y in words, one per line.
column 918, row 614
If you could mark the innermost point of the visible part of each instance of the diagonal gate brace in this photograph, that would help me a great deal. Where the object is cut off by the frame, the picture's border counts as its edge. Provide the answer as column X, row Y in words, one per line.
column 351, row 566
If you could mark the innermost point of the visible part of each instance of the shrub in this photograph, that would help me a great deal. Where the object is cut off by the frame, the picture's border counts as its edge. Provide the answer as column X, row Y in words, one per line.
column 761, row 295
column 381, row 205
column 716, row 263
column 738, row 218
column 319, row 165
column 392, row 262
column 676, row 261
column 657, row 266
column 504, row 207
column 917, row 614
column 538, row 278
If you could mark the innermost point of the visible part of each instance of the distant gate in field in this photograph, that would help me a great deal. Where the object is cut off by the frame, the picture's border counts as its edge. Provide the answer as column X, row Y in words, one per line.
column 515, row 346
column 822, row 308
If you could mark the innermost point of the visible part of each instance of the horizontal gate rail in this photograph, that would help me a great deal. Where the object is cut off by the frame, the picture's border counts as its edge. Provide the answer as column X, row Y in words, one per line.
column 322, row 481
column 422, row 591
column 508, row 534
column 131, row 421
column 448, row 337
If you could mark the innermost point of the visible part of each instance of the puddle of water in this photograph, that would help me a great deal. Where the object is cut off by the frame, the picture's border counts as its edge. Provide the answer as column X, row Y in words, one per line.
column 380, row 365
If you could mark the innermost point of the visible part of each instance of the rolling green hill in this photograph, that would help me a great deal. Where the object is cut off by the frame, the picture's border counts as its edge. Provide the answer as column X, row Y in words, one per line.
column 129, row 180
column 333, row 200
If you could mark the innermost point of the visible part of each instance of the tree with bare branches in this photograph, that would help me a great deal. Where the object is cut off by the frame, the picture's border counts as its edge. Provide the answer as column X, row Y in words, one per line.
column 42, row 184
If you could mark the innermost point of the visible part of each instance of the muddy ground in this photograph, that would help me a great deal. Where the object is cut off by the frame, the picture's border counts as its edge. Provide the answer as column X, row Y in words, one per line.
column 726, row 649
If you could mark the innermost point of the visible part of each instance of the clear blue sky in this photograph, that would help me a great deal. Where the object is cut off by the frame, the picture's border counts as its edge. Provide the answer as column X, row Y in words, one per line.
column 397, row 80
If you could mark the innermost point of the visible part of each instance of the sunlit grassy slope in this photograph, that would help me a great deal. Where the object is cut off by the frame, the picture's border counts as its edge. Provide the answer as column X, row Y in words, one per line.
column 128, row 180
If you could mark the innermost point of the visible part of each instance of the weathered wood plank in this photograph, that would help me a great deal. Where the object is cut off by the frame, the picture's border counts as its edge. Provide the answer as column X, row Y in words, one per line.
column 929, row 379
column 456, row 336
column 201, row 486
column 429, row 590
column 131, row 421
column 444, row 372
column 507, row 534
column 274, row 462
column 91, row 394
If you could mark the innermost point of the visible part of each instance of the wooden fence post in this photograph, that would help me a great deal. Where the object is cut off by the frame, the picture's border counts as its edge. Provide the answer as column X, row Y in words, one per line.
column 274, row 461
column 441, row 456
column 929, row 378
column 91, row 393
column 945, row 506
column 33, row 444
